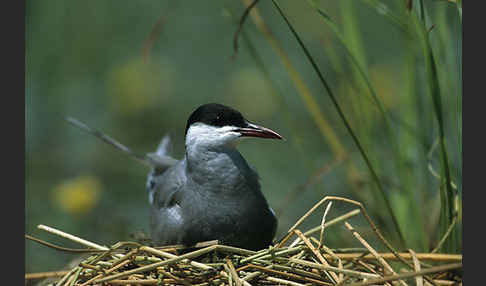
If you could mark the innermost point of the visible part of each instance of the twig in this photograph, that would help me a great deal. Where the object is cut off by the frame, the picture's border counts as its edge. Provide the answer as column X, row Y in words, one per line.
column 172, row 276
column 332, row 276
column 334, row 269
column 114, row 268
column 283, row 281
column 171, row 256
column 193, row 254
column 302, row 264
column 60, row 248
column 228, row 274
column 327, row 224
column 43, row 275
column 435, row 257
column 135, row 282
column 234, row 275
column 74, row 277
column 323, row 222
column 427, row 271
column 419, row 280
column 290, row 275
column 366, row 216
column 372, row 250
column 71, row 237
column 65, row 277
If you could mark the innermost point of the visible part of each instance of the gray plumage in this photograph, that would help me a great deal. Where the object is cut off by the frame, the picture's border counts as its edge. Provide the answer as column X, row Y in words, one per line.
column 210, row 194
column 213, row 194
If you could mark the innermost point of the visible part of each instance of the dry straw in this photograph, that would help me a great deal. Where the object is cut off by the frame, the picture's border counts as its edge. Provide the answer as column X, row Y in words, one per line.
column 307, row 260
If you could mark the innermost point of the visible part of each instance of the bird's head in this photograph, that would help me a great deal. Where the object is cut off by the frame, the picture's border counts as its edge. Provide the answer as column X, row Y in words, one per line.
column 214, row 125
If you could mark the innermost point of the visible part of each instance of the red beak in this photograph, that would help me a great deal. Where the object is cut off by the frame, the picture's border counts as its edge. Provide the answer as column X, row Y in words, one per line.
column 253, row 130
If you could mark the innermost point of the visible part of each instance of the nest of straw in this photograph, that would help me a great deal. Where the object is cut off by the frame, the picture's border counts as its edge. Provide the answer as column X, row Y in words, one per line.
column 300, row 258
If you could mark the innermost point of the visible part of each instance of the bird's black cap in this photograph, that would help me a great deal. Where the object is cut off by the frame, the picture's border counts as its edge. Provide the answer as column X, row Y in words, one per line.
column 216, row 114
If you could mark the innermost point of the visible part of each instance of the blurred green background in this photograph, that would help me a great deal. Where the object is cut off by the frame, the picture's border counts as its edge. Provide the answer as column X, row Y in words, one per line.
column 136, row 70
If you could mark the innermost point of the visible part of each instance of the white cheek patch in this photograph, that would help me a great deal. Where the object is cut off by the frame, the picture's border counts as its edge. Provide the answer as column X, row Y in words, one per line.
column 206, row 135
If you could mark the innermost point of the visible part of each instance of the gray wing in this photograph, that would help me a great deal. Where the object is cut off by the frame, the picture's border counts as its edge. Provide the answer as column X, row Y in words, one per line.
column 161, row 161
column 164, row 188
column 166, row 215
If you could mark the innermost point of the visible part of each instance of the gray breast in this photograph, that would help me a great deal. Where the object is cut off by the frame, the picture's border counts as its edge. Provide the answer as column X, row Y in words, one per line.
column 213, row 199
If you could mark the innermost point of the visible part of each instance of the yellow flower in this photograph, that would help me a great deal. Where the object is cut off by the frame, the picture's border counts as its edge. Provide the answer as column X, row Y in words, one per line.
column 78, row 195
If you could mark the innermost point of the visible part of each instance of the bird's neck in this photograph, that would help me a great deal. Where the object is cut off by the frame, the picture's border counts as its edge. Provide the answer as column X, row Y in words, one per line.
column 224, row 167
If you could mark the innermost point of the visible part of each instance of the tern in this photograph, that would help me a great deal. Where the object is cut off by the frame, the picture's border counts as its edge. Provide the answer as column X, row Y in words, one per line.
column 212, row 193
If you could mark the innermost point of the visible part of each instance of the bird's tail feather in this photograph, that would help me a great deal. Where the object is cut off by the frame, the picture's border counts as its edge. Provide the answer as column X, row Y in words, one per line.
column 159, row 160
column 165, row 146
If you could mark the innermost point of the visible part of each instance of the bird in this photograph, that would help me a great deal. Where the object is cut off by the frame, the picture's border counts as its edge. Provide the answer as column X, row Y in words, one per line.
column 212, row 193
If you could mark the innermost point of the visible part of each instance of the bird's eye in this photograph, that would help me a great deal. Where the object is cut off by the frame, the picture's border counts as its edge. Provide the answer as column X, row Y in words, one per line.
column 218, row 119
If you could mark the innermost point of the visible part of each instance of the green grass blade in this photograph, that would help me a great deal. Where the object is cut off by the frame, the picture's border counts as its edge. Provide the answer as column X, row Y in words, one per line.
column 415, row 214
column 448, row 195
column 345, row 121
column 360, row 69
column 459, row 8
column 304, row 92
column 295, row 129
column 354, row 61
column 382, row 9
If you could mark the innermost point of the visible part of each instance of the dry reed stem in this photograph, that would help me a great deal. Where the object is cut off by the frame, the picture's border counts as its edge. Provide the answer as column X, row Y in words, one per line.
column 125, row 257
column 284, row 240
column 125, row 263
column 332, row 276
column 327, row 224
column 283, row 281
column 433, row 257
column 193, row 254
column 290, row 275
column 233, row 273
column 268, row 253
column 252, row 276
column 297, row 271
column 65, row 277
column 172, row 276
column 43, row 275
column 335, row 257
column 366, row 216
column 430, row 270
column 228, row 274
column 114, row 268
column 70, row 280
column 323, row 222
column 135, row 282
column 60, row 248
column 368, row 267
column 334, row 269
column 169, row 255
column 71, row 237
column 419, row 280
column 75, row 276
column 372, row 250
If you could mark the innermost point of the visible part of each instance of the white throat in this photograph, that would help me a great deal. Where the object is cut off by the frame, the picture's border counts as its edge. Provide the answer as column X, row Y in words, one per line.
column 211, row 156
column 202, row 137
